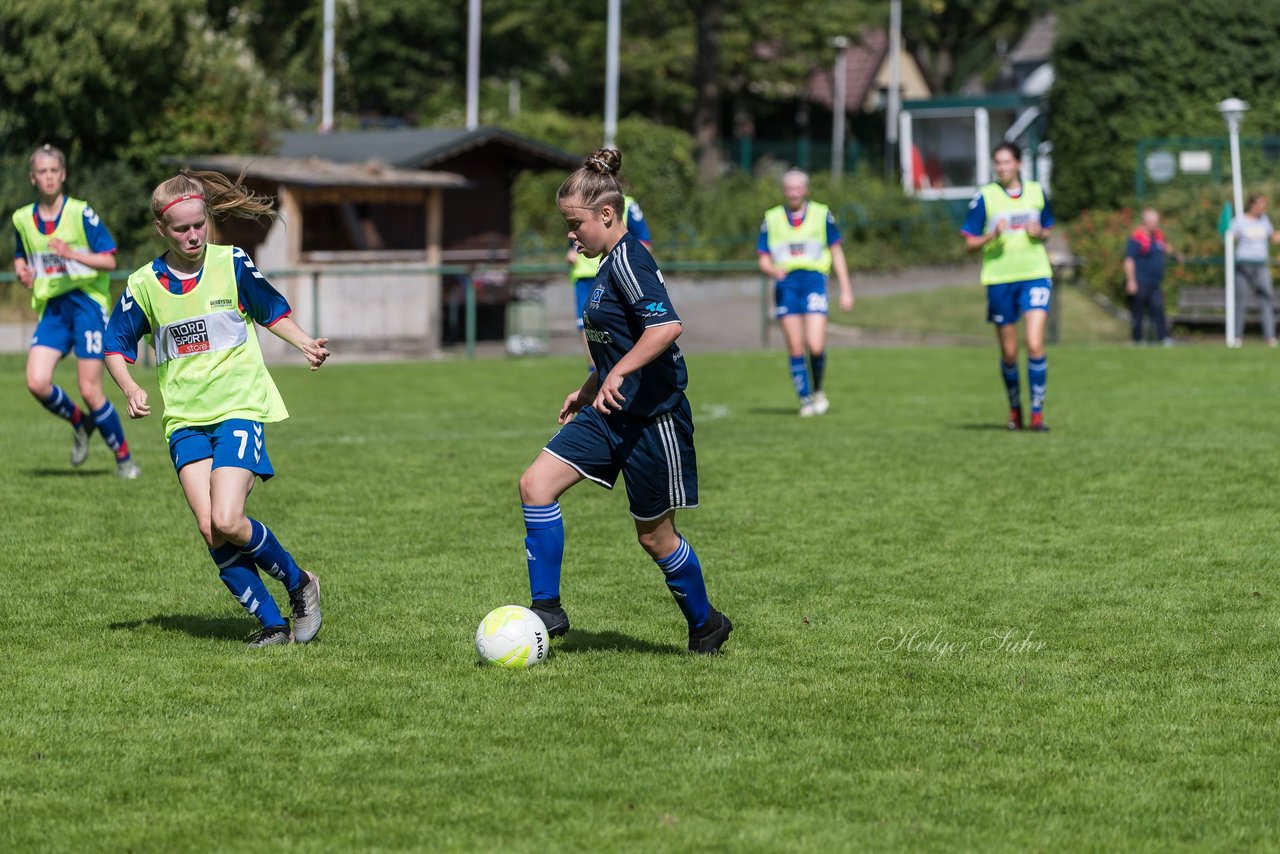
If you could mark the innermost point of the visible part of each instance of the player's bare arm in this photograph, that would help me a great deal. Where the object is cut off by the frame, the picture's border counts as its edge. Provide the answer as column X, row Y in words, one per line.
column 580, row 398
column 315, row 349
column 652, row 343
column 105, row 261
column 135, row 394
column 24, row 272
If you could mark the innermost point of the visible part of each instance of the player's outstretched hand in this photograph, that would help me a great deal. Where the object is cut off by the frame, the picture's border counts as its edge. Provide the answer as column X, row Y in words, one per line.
column 316, row 352
column 138, row 406
column 846, row 302
column 609, row 398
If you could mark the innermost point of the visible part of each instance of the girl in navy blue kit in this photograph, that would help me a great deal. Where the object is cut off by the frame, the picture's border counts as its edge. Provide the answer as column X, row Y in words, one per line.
column 632, row 416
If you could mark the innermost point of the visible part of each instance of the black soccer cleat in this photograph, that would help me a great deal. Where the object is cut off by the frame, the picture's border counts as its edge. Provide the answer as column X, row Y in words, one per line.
column 714, row 632
column 1037, row 423
column 552, row 616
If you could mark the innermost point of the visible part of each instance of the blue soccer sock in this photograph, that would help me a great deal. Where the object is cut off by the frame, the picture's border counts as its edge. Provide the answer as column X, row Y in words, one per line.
column 1010, row 374
column 108, row 424
column 61, row 405
column 543, row 549
column 1038, row 379
column 265, row 550
column 684, row 580
column 237, row 572
column 800, row 376
column 818, row 367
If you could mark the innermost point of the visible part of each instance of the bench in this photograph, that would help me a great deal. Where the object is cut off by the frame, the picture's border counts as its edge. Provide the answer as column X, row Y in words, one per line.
column 1208, row 305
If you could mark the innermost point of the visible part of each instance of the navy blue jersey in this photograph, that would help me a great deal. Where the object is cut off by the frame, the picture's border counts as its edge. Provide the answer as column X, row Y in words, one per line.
column 629, row 297
column 258, row 299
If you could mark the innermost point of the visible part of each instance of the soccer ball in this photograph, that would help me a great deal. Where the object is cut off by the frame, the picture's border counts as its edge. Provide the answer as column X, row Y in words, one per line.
column 512, row 636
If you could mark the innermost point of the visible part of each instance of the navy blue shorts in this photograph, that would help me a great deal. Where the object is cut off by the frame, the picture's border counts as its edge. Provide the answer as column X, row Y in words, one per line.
column 235, row 443
column 582, row 290
column 72, row 320
column 1007, row 302
column 654, row 455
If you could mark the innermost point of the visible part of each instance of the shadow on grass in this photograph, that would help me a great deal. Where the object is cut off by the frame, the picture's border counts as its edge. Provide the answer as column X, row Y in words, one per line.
column 986, row 425
column 580, row 641
column 68, row 472
column 196, row 625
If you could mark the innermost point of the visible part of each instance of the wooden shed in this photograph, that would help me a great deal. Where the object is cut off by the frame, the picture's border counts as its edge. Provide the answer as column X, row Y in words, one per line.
column 349, row 248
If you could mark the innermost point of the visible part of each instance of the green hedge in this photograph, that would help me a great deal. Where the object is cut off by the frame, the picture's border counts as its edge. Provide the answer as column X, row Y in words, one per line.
column 1189, row 218
column 1151, row 68
column 883, row 229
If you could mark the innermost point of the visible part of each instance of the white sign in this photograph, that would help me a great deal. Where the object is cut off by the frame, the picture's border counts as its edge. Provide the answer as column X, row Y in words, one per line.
column 1161, row 166
column 1195, row 162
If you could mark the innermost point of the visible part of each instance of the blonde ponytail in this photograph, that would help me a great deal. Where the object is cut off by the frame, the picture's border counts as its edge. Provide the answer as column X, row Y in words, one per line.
column 220, row 194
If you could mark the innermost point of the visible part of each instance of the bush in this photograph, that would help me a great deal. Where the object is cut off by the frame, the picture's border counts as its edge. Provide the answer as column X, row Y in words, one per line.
column 883, row 229
column 1151, row 68
column 1189, row 218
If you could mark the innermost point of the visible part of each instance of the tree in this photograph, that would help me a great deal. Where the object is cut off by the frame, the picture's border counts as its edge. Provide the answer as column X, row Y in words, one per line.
column 143, row 80
column 85, row 87
column 958, row 38
column 709, row 17
column 1151, row 69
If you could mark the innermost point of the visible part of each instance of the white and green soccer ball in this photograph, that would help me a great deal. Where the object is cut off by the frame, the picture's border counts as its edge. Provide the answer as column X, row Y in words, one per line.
column 512, row 636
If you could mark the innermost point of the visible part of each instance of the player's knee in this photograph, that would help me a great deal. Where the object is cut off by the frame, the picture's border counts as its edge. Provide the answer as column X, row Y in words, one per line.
column 227, row 522
column 91, row 393
column 658, row 544
column 40, row 388
column 211, row 539
column 530, row 492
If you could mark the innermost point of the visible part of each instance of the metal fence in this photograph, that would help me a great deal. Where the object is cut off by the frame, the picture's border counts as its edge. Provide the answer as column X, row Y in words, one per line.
column 1184, row 161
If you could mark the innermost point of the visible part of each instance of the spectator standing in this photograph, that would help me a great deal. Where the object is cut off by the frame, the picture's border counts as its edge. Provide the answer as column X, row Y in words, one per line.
column 1144, row 256
column 1252, row 232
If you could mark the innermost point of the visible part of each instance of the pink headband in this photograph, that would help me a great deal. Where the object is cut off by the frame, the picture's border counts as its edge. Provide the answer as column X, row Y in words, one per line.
column 181, row 199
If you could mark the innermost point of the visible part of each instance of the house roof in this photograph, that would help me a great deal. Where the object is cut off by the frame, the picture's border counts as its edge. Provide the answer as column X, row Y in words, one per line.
column 863, row 59
column 319, row 172
column 419, row 148
column 1036, row 44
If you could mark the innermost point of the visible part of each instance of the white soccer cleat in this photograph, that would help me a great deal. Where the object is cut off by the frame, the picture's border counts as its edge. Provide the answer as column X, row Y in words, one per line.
column 79, row 445
column 807, row 409
column 305, row 602
column 820, row 403
column 128, row 469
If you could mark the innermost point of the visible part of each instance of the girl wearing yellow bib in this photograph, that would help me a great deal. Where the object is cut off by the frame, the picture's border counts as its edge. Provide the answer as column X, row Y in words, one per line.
column 199, row 302
column 799, row 246
column 1009, row 220
column 64, row 254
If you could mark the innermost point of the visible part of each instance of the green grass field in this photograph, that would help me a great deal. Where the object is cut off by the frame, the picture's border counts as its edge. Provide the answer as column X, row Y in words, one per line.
column 958, row 314
column 948, row 636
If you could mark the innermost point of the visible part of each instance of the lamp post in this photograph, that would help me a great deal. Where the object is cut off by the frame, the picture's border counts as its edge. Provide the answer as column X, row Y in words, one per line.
column 326, row 77
column 1233, row 110
column 473, row 65
column 612, row 36
column 894, row 107
column 839, row 81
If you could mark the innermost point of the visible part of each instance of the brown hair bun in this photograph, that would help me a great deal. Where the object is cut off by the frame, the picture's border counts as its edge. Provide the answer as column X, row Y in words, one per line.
column 604, row 161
